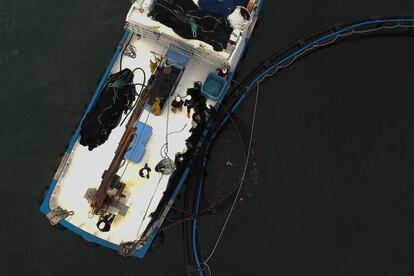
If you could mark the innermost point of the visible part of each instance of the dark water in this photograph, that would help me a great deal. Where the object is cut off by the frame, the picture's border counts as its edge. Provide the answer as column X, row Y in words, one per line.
column 336, row 152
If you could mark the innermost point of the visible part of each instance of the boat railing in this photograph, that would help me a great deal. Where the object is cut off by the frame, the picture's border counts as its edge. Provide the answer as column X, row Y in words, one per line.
column 138, row 22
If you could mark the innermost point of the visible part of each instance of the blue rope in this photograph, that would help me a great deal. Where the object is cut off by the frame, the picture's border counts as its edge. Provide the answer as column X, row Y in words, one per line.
column 289, row 58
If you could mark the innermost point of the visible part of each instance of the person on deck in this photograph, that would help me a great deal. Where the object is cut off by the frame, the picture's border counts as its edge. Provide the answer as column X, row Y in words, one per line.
column 190, row 104
column 195, row 100
column 156, row 107
column 177, row 104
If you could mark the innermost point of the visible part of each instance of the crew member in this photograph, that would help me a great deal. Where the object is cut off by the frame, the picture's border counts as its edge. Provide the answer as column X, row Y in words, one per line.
column 190, row 104
column 156, row 107
column 223, row 72
column 195, row 100
column 177, row 104
column 196, row 122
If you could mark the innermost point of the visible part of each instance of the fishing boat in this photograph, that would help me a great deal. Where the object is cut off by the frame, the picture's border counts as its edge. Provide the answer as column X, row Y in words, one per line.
column 131, row 154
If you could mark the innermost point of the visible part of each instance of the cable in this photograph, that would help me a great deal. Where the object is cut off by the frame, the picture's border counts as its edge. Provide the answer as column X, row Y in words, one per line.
column 207, row 269
column 166, row 130
column 194, row 232
column 197, row 213
column 146, row 211
column 242, row 178
column 143, row 86
column 168, row 134
column 123, row 52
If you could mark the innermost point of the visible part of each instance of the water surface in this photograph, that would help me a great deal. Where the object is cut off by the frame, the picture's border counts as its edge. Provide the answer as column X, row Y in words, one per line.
column 335, row 144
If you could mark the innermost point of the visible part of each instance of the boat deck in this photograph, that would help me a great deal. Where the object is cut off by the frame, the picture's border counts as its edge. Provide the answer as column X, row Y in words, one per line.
column 84, row 168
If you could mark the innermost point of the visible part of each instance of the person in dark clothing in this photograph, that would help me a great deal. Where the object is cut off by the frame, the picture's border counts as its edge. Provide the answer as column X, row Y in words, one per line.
column 190, row 104
column 196, row 132
column 196, row 122
column 195, row 100
column 211, row 111
column 177, row 104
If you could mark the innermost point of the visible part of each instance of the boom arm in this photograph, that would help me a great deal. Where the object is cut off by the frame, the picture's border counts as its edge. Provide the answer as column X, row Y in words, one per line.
column 100, row 197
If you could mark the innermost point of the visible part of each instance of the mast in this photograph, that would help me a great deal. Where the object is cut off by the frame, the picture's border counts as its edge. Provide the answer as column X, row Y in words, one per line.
column 100, row 197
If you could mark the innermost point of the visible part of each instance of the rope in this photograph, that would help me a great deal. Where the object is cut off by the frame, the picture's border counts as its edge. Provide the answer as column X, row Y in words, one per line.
column 146, row 211
column 196, row 211
column 123, row 52
column 241, row 181
column 162, row 149
column 140, row 92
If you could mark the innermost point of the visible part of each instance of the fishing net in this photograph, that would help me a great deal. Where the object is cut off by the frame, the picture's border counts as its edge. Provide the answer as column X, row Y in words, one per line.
column 226, row 166
column 188, row 21
column 222, row 178
column 116, row 97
